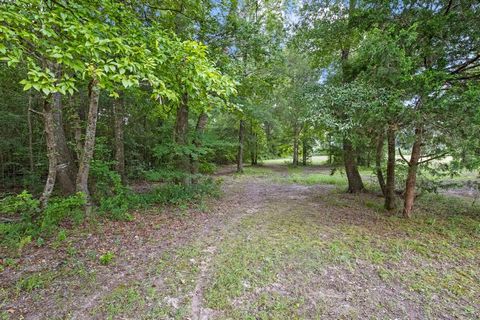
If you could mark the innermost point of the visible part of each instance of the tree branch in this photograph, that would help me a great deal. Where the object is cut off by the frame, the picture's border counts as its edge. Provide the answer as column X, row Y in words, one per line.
column 36, row 112
column 403, row 158
column 432, row 158
column 462, row 66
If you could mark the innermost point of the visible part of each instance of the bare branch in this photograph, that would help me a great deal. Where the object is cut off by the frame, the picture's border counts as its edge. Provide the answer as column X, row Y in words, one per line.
column 463, row 66
column 36, row 112
column 403, row 158
column 433, row 158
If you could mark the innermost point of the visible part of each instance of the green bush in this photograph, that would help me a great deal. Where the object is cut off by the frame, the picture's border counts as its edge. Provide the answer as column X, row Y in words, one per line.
column 165, row 175
column 207, row 168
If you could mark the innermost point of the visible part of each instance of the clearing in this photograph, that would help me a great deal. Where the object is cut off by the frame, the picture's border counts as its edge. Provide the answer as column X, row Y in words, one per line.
column 278, row 244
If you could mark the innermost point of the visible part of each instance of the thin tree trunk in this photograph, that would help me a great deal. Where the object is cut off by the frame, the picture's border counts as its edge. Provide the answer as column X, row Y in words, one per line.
column 295, row 152
column 378, row 163
column 89, row 144
column 30, row 132
column 241, row 140
column 52, row 158
column 199, row 131
column 181, row 138
column 255, row 148
column 330, row 151
column 252, row 145
column 78, row 136
column 390, row 187
column 295, row 146
column 118, row 115
column 66, row 168
column 355, row 184
column 304, row 152
column 412, row 173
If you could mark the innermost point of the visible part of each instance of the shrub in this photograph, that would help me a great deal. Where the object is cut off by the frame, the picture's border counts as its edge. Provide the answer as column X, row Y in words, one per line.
column 207, row 168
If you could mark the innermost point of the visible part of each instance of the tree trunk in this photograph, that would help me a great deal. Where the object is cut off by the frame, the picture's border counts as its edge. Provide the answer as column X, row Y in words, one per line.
column 390, row 188
column 330, row 151
column 51, row 147
column 304, row 152
column 77, row 129
column 378, row 163
column 181, row 138
column 254, row 150
column 118, row 115
column 241, row 140
column 89, row 144
column 355, row 184
column 66, row 168
column 199, row 131
column 30, row 133
column 412, row 173
column 253, row 145
column 295, row 146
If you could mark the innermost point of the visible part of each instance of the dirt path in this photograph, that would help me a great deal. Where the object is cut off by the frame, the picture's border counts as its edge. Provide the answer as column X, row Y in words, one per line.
column 267, row 249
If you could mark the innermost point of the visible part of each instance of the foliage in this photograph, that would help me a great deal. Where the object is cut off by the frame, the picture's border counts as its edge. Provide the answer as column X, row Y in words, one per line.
column 36, row 223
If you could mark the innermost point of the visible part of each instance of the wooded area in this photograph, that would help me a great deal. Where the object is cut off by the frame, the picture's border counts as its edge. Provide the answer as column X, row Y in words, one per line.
column 112, row 107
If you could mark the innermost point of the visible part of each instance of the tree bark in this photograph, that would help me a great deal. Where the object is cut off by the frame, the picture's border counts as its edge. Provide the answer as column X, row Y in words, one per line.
column 378, row 163
column 77, row 131
column 181, row 138
column 118, row 115
column 89, row 144
column 199, row 131
column 390, row 187
column 241, row 140
column 355, row 183
column 66, row 168
column 51, row 147
column 412, row 173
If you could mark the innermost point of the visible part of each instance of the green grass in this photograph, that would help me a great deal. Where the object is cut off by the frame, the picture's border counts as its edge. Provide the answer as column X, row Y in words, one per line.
column 171, row 278
column 433, row 254
column 318, row 178
column 35, row 281
column 276, row 263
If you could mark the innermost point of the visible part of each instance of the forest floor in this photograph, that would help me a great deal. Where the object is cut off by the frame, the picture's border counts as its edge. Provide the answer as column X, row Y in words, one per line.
column 278, row 244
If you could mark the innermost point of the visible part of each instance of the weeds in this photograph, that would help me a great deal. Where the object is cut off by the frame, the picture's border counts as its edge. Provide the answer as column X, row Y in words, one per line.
column 107, row 258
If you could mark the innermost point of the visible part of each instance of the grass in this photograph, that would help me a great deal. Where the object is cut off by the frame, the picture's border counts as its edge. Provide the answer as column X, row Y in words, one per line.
column 165, row 292
column 318, row 178
column 318, row 254
column 283, row 248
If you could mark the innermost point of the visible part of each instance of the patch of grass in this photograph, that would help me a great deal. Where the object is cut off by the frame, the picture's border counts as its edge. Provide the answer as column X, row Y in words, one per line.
column 459, row 281
column 272, row 305
column 263, row 247
column 318, row 178
column 35, row 281
column 107, row 258
column 124, row 300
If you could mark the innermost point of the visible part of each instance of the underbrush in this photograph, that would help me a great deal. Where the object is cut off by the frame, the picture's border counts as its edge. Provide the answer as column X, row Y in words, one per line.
column 23, row 221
